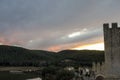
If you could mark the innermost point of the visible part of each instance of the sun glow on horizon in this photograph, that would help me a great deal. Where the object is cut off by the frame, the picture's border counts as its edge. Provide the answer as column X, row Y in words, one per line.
column 96, row 46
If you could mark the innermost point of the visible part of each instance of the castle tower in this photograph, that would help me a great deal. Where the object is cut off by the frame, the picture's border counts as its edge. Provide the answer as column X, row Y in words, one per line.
column 112, row 50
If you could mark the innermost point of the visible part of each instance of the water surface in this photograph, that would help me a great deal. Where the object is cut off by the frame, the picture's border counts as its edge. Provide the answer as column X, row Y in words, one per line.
column 4, row 75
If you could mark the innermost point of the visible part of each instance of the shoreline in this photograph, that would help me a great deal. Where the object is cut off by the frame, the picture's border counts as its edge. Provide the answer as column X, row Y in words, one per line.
column 19, row 68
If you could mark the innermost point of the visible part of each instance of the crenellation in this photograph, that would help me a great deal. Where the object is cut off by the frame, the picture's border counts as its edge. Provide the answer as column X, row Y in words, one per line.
column 112, row 49
column 106, row 27
column 114, row 25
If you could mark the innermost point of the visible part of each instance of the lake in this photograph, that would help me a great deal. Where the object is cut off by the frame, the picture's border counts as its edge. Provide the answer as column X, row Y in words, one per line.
column 5, row 75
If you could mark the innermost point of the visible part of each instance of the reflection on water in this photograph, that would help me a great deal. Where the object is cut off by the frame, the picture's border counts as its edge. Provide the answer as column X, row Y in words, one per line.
column 4, row 75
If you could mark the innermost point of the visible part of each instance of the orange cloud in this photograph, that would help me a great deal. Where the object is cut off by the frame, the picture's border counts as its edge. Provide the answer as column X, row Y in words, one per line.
column 54, row 48
column 91, row 44
column 94, row 46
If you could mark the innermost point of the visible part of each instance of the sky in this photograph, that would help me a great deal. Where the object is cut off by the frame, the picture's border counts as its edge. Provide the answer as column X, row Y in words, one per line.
column 56, row 25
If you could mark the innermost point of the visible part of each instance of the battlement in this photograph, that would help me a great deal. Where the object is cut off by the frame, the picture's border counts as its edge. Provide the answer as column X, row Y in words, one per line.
column 113, row 26
column 112, row 49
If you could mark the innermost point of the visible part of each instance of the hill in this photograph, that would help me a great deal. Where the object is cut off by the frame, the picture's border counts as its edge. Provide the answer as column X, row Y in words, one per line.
column 17, row 56
column 83, row 57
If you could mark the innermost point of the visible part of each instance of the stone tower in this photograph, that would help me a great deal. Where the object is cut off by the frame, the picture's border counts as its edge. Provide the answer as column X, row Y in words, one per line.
column 112, row 50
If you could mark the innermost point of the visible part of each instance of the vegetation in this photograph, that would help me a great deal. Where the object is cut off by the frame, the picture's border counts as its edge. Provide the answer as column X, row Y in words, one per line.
column 56, row 73
column 82, row 57
column 49, row 73
column 17, row 56
column 65, row 75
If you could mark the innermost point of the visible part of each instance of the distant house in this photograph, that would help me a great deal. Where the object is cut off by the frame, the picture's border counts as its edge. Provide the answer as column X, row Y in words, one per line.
column 69, row 68
column 35, row 79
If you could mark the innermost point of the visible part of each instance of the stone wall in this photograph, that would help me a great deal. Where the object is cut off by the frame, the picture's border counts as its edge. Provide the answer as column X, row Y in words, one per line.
column 112, row 50
column 112, row 79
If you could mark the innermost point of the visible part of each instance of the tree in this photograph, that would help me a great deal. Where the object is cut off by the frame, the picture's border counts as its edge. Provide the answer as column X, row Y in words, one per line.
column 49, row 73
column 65, row 75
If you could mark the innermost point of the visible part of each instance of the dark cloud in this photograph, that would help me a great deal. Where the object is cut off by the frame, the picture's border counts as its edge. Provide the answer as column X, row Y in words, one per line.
column 44, row 23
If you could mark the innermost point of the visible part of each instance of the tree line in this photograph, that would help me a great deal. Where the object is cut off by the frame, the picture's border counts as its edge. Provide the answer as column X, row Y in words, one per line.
column 17, row 56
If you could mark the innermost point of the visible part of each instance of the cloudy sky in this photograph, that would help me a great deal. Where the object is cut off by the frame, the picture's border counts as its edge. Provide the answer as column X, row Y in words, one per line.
column 56, row 24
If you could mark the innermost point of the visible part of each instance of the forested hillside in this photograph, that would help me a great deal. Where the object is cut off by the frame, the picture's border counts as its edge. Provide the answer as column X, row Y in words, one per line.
column 83, row 57
column 17, row 56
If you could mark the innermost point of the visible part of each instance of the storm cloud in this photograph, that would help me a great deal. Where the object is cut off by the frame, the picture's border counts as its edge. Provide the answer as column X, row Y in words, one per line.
column 42, row 24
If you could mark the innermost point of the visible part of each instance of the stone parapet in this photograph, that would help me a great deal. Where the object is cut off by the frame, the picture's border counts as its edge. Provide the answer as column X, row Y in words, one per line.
column 112, row 49
column 112, row 79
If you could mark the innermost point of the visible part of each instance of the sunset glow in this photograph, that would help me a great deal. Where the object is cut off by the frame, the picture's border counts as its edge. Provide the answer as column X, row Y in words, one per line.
column 97, row 46
column 74, row 34
column 56, row 25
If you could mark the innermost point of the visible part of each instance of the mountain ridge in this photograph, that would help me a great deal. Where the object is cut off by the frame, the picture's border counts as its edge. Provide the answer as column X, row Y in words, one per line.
column 18, row 56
